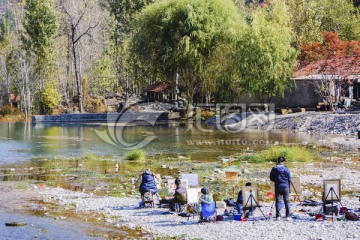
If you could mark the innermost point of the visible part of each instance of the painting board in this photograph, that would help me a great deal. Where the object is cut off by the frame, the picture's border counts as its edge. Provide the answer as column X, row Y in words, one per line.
column 172, row 186
column 272, row 188
column 193, row 179
column 246, row 195
column 328, row 194
column 295, row 183
column 192, row 195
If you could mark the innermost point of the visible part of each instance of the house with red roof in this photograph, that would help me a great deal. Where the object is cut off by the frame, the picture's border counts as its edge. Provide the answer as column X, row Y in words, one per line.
column 326, row 80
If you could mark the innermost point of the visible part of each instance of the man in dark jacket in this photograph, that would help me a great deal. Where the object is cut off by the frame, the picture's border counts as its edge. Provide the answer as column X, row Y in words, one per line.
column 280, row 175
column 148, row 183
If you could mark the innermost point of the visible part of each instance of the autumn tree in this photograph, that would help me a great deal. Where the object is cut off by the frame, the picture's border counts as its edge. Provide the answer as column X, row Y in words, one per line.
column 334, row 59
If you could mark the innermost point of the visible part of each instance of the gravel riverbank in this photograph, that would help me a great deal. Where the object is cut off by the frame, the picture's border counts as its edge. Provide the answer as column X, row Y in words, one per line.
column 161, row 223
column 309, row 122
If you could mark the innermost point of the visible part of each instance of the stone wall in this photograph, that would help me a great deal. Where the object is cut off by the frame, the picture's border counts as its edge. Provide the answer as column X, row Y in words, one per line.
column 126, row 117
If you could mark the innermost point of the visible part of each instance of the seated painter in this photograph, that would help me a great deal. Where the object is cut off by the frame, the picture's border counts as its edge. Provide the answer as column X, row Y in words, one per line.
column 239, row 204
column 208, row 207
column 148, row 182
column 206, row 197
column 179, row 196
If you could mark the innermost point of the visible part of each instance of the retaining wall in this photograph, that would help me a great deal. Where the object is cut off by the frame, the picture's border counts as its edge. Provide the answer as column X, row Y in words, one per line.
column 126, row 117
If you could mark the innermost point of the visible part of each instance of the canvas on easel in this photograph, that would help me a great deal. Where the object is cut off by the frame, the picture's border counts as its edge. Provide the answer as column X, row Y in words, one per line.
column 193, row 179
column 332, row 190
column 192, row 196
column 247, row 200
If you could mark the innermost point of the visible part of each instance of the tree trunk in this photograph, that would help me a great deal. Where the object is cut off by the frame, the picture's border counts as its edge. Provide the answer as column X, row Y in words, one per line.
column 78, row 79
column 80, row 74
column 8, row 88
column 23, row 107
column 27, row 87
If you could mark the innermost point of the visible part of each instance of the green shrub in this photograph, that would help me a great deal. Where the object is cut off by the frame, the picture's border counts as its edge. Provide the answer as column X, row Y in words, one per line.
column 293, row 154
column 50, row 98
column 250, row 159
column 136, row 154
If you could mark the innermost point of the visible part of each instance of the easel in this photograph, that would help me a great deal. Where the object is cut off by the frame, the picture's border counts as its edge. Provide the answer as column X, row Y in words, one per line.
column 297, row 196
column 332, row 193
column 251, row 199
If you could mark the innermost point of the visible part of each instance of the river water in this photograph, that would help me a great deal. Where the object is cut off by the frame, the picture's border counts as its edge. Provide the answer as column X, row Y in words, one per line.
column 20, row 142
column 24, row 142
column 42, row 228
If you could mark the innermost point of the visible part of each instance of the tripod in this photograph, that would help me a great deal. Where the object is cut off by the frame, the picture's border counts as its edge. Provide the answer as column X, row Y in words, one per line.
column 252, row 199
column 332, row 192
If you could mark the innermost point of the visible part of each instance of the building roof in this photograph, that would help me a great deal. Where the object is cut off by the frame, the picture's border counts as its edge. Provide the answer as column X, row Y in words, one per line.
column 156, row 87
column 16, row 98
column 345, row 67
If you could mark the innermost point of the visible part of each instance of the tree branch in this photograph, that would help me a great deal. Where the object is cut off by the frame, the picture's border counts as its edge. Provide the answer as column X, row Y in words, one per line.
column 86, row 32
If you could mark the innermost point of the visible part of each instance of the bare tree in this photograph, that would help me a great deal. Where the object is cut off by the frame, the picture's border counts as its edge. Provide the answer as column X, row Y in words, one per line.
column 78, row 23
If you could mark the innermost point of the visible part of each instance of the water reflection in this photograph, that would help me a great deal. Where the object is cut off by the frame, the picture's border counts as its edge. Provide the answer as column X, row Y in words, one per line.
column 21, row 142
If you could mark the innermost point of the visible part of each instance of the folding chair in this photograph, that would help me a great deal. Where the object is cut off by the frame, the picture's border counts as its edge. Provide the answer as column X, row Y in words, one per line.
column 208, row 212
column 147, row 199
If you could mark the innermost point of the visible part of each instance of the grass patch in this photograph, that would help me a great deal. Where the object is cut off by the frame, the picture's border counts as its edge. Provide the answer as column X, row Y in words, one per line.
column 137, row 155
column 292, row 154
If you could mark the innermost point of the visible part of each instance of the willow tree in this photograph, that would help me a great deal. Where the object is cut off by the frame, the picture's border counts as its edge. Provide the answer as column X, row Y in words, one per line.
column 182, row 36
column 264, row 58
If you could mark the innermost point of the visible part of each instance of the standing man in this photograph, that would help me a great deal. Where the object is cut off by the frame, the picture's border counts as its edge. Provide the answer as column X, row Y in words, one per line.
column 280, row 175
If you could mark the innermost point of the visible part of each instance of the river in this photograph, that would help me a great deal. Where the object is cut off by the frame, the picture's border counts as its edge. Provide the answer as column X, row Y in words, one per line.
column 20, row 142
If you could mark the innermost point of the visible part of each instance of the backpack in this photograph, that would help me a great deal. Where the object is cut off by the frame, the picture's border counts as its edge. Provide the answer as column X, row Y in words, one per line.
column 351, row 216
column 230, row 202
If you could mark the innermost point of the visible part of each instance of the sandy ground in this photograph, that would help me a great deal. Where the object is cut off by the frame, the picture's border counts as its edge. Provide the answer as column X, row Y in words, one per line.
column 17, row 197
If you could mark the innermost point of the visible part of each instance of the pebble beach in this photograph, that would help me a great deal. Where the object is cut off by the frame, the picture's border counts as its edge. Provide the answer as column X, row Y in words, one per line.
column 160, row 222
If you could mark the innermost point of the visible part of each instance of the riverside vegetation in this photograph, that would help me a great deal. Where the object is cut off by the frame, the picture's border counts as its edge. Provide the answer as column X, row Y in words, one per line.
column 218, row 48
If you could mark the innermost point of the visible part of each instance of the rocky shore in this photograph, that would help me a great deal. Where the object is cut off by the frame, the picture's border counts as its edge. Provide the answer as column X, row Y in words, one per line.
column 309, row 122
column 155, row 223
